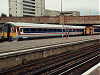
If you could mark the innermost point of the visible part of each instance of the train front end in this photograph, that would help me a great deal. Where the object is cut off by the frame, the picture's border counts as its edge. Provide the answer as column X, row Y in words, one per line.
column 8, row 32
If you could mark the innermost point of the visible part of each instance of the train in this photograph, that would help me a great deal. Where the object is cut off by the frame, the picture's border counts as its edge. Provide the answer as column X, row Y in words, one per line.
column 18, row 30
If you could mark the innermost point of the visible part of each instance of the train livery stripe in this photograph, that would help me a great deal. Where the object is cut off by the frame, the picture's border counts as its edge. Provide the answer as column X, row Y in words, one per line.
column 51, row 33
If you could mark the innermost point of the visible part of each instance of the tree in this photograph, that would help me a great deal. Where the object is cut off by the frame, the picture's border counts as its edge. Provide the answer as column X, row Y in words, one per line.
column 3, row 15
column 10, row 15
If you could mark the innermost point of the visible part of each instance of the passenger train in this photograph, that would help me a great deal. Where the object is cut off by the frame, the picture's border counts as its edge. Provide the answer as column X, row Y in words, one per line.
column 17, row 30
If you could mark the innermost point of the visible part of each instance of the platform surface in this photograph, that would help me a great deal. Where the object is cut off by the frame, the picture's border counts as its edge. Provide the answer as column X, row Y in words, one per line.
column 95, row 70
column 6, row 46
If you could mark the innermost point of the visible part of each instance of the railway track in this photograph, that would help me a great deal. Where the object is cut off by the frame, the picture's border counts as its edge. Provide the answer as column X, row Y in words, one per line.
column 72, row 65
column 56, row 64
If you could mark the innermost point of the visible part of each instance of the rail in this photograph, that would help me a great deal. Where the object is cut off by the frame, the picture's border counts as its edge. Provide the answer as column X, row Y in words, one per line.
column 55, row 57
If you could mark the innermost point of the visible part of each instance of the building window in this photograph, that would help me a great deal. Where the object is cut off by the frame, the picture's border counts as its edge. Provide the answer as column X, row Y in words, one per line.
column 9, row 9
column 28, row 2
column 28, row 9
column 16, row 11
column 28, row 12
column 32, row 0
column 28, row 5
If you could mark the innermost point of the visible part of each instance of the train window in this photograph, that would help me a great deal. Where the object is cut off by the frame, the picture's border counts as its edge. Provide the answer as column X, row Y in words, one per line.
column 17, row 28
column 26, row 29
column 59, row 30
column 70, row 30
column 54, row 30
column 45, row 30
column 12, row 29
column 33, row 29
column 63, row 30
column 67, row 30
column 20, row 29
column 40, row 29
column 81, row 30
column 73, row 30
column 50, row 30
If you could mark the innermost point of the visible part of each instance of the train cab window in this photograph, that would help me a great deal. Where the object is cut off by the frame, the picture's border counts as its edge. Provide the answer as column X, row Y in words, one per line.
column 45, row 30
column 33, row 29
column 26, row 29
column 39, row 29
column 5, row 28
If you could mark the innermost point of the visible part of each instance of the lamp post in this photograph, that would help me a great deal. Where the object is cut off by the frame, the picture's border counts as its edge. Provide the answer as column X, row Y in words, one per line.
column 92, row 26
column 66, row 25
column 61, row 6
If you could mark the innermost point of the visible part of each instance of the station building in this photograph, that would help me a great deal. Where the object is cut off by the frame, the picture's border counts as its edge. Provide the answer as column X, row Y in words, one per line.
column 26, row 8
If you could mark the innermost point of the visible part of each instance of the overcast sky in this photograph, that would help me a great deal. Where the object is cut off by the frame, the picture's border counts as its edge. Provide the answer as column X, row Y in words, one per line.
column 68, row 5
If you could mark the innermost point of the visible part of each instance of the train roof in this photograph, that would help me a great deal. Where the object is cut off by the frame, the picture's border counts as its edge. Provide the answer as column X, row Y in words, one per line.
column 42, row 25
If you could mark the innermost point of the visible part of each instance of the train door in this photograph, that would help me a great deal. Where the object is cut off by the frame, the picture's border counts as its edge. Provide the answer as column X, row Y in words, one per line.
column 85, row 30
column 6, row 31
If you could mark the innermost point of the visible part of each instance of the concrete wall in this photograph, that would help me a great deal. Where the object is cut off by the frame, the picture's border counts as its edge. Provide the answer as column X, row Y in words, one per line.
column 16, row 59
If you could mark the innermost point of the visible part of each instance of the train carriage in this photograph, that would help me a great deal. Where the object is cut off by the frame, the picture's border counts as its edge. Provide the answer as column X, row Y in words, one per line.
column 17, row 30
column 89, row 30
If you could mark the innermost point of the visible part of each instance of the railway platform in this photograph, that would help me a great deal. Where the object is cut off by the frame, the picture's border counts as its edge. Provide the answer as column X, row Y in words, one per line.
column 13, row 46
column 16, row 53
column 95, row 70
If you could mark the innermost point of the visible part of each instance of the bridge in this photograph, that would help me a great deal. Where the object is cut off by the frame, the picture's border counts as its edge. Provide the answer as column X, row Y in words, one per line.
column 61, row 19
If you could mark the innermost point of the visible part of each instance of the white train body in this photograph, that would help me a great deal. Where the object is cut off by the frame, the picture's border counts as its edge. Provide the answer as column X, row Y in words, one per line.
column 16, row 30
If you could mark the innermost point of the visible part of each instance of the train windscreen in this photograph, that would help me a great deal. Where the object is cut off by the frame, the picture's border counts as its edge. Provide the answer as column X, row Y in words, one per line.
column 5, row 28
